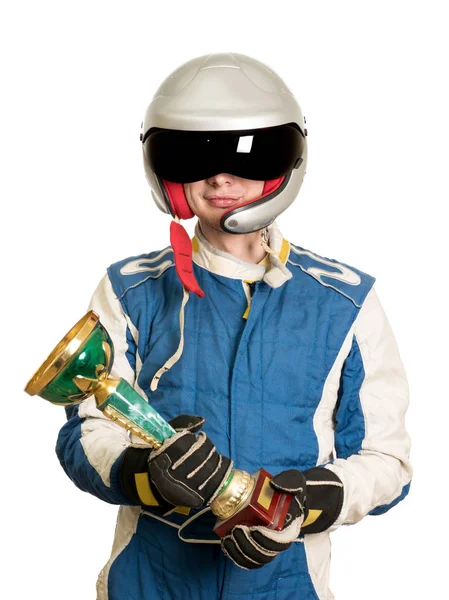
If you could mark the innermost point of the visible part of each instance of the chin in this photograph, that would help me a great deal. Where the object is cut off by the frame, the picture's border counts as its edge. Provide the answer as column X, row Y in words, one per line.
column 211, row 223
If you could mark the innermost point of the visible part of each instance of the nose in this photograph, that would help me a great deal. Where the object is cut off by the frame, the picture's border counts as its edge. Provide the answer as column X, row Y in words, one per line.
column 221, row 179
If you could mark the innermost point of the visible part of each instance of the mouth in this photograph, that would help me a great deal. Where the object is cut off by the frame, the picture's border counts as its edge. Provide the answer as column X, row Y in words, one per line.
column 223, row 201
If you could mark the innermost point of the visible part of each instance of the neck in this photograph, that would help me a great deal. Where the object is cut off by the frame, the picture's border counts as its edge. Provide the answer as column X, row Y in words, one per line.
column 245, row 246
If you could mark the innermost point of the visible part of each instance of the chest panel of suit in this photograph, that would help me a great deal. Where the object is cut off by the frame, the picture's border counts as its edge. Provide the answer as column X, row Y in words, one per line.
column 258, row 380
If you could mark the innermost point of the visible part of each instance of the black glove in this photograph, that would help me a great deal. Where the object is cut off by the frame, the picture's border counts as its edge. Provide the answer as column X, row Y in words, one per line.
column 315, row 506
column 324, row 499
column 186, row 470
column 252, row 547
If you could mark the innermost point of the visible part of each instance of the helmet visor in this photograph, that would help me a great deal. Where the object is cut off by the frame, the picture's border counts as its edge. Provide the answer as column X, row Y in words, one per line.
column 259, row 154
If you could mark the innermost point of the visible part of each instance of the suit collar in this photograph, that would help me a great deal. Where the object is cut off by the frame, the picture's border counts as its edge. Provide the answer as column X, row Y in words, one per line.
column 222, row 263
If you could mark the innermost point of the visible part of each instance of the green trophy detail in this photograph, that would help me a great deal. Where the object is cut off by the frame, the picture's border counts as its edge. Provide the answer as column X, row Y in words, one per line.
column 80, row 365
column 138, row 416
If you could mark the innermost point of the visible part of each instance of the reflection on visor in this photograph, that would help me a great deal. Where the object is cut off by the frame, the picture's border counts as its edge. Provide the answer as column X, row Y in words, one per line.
column 259, row 154
column 245, row 143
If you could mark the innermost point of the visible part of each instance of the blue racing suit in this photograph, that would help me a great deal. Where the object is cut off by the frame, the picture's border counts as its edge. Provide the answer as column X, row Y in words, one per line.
column 303, row 372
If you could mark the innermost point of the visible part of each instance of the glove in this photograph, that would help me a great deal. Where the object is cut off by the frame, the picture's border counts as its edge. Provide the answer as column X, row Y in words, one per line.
column 186, row 470
column 252, row 547
column 315, row 506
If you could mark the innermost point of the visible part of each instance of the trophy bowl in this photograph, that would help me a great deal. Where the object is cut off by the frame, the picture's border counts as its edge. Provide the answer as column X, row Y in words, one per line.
column 80, row 365
column 76, row 366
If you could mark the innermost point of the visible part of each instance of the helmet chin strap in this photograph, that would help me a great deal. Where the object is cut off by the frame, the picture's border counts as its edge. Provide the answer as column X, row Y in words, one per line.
column 182, row 250
column 264, row 241
column 275, row 260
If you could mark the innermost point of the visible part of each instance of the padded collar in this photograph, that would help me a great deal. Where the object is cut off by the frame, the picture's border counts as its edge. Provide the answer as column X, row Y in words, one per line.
column 222, row 263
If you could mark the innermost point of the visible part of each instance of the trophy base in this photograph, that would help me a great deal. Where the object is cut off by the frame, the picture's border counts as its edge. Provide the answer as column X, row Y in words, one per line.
column 265, row 506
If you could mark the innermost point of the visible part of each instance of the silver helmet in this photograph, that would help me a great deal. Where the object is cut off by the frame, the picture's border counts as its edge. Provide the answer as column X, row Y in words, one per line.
column 225, row 113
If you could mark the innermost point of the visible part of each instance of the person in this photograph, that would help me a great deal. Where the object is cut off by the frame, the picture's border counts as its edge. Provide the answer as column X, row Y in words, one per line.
column 259, row 352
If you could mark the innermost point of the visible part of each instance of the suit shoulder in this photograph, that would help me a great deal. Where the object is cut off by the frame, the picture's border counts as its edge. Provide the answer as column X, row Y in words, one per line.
column 134, row 270
column 345, row 279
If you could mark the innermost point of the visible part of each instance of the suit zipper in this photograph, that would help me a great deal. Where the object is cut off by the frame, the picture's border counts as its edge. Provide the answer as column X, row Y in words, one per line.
column 249, row 292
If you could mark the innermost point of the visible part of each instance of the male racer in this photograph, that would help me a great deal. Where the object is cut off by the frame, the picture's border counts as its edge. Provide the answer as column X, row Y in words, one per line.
column 287, row 357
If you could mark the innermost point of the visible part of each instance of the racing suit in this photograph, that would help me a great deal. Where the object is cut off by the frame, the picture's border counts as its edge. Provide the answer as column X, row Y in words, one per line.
column 302, row 372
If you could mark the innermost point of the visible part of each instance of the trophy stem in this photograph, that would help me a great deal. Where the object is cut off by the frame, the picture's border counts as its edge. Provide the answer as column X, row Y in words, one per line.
column 121, row 403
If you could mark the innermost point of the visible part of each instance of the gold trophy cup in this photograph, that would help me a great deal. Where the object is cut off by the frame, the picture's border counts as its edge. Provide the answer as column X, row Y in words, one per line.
column 80, row 365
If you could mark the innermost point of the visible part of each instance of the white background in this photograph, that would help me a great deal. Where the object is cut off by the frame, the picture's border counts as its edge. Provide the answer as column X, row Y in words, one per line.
column 76, row 78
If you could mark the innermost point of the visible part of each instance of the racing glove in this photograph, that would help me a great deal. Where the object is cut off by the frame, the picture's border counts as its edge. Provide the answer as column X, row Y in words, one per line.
column 186, row 470
column 252, row 547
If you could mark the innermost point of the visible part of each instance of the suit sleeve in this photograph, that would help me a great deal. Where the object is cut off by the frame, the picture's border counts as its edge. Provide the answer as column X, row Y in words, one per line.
column 90, row 446
column 372, row 446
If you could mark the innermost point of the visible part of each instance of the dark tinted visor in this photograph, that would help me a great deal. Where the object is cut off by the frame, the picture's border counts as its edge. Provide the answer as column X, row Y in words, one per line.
column 259, row 154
